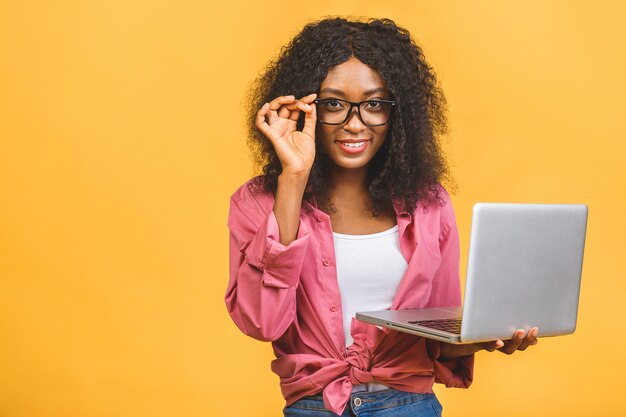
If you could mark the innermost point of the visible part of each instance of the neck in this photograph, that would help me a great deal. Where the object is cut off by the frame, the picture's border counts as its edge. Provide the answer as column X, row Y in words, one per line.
column 349, row 181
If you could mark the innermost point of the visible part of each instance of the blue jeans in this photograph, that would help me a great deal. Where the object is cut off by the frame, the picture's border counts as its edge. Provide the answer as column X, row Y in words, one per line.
column 386, row 403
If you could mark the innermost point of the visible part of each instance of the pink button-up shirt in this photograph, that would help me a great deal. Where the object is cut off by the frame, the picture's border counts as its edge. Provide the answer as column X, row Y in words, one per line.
column 289, row 295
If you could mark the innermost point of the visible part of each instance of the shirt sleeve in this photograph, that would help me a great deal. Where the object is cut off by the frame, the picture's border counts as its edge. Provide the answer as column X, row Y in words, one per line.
column 264, row 274
column 446, row 292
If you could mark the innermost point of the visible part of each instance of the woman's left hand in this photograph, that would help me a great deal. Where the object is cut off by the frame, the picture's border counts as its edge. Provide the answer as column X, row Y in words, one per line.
column 518, row 342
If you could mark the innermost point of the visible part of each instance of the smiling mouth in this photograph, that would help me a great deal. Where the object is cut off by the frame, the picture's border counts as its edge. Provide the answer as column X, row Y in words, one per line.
column 353, row 145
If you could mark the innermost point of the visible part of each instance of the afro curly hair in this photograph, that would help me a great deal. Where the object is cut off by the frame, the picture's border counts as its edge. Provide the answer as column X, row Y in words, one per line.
column 411, row 165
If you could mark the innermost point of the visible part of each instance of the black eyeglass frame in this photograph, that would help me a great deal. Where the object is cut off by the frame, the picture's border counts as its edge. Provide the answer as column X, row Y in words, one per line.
column 358, row 109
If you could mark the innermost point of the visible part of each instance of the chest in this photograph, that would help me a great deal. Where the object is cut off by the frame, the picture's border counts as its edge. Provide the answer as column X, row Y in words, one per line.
column 359, row 221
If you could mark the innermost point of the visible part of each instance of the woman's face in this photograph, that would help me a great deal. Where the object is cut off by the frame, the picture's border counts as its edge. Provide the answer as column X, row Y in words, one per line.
column 353, row 81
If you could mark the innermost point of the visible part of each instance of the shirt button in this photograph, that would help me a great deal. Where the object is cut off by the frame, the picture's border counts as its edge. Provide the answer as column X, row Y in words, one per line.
column 333, row 308
column 319, row 219
column 325, row 262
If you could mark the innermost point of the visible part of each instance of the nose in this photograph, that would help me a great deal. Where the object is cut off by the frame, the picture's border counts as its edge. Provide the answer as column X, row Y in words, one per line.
column 354, row 123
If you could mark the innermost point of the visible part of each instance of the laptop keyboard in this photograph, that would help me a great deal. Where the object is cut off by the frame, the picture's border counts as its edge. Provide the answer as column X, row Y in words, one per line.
column 447, row 325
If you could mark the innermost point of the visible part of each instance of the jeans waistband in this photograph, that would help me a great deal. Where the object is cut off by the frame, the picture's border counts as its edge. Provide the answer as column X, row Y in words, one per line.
column 362, row 402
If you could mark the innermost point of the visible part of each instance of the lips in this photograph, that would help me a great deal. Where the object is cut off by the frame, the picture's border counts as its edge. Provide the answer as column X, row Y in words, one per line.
column 353, row 146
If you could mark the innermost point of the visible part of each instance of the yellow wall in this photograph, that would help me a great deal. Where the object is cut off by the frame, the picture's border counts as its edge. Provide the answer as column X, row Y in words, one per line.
column 122, row 137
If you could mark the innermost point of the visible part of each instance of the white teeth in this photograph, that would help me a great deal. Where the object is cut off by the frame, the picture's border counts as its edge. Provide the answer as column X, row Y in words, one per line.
column 354, row 145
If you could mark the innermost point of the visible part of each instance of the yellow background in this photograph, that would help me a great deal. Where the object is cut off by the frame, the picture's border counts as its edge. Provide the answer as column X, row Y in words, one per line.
column 122, row 137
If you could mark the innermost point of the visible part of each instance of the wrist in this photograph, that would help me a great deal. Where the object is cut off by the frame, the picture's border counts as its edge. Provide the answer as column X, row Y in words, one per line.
column 299, row 178
column 449, row 351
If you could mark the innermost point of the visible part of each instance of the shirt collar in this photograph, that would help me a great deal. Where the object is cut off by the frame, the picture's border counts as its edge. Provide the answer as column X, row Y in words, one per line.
column 398, row 207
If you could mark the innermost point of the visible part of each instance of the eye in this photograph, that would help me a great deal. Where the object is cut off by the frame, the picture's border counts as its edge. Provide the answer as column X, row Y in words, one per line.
column 373, row 105
column 331, row 104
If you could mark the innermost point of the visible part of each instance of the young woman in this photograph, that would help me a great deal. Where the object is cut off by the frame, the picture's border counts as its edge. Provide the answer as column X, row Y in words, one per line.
column 349, row 215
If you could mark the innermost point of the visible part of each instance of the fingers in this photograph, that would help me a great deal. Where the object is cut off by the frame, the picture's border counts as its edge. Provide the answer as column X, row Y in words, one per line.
column 519, row 342
column 260, row 122
column 275, row 104
column 511, row 346
column 491, row 346
column 310, row 118
column 308, row 99
column 267, row 116
column 530, row 339
column 292, row 111
column 286, row 107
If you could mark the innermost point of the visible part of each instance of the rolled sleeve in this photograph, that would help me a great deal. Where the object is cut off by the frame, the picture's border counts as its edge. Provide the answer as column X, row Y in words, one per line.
column 453, row 373
column 264, row 274
column 281, row 265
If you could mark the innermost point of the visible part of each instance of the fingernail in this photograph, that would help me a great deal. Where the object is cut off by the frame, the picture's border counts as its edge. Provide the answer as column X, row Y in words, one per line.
column 499, row 343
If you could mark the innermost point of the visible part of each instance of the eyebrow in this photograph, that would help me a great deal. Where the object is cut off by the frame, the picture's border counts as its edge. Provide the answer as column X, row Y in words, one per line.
column 368, row 92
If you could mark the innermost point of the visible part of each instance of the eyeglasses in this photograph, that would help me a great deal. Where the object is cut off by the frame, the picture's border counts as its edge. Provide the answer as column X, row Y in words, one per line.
column 335, row 111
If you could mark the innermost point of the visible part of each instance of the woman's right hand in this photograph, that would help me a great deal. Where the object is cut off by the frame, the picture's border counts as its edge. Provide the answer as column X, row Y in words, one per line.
column 277, row 121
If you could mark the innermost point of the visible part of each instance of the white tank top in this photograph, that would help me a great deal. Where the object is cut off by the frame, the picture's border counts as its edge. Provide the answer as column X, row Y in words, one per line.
column 369, row 270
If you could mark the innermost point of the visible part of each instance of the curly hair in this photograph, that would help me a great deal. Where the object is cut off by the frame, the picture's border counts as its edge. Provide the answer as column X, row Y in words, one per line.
column 410, row 165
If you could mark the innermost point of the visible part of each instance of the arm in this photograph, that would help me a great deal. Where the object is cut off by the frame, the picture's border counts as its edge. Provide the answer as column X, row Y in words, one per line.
column 264, row 273
column 287, row 205
column 267, row 247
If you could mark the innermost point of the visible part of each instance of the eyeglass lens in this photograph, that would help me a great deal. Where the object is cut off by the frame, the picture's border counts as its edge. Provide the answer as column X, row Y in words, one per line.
column 373, row 112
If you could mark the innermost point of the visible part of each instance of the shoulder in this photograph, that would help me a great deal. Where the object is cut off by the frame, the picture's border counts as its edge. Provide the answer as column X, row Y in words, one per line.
column 447, row 219
column 253, row 188
column 436, row 209
column 252, row 196
column 436, row 198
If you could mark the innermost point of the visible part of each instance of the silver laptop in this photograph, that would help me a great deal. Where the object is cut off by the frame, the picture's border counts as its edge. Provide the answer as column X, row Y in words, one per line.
column 524, row 270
